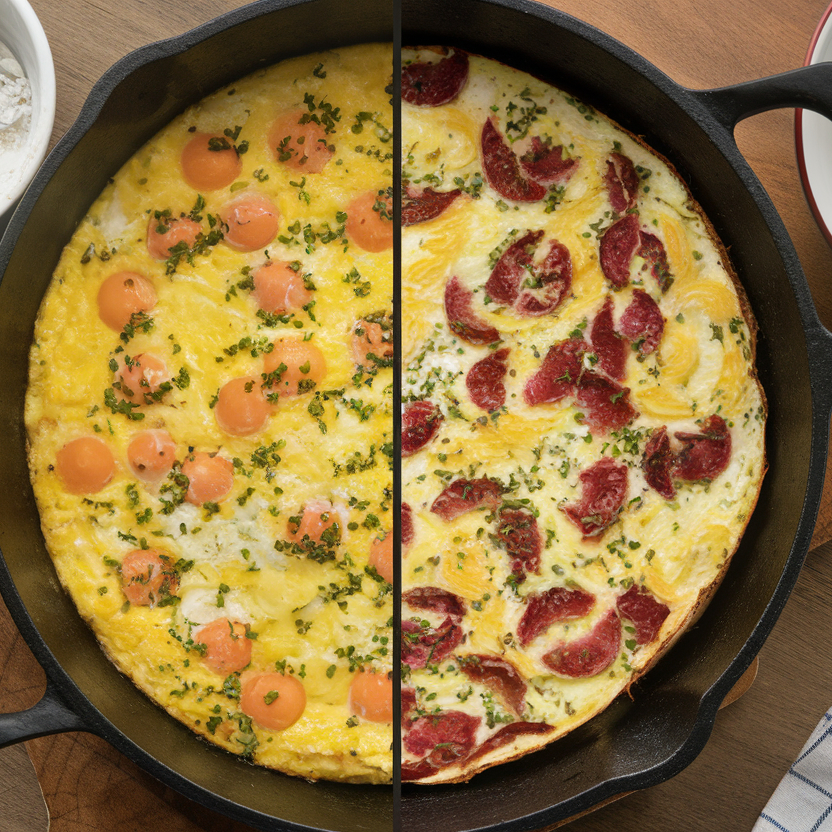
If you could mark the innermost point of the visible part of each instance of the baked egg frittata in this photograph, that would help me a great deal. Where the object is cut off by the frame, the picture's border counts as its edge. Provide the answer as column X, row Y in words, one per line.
column 582, row 431
column 210, row 417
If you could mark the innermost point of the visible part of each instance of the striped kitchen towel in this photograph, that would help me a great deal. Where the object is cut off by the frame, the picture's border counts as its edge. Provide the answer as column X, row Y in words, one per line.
column 803, row 800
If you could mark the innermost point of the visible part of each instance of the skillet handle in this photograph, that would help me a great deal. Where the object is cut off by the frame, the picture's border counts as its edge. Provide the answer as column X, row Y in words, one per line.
column 49, row 716
column 809, row 87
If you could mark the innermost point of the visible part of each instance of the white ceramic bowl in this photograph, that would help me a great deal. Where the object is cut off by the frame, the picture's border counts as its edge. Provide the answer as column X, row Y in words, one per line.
column 21, row 32
column 813, row 138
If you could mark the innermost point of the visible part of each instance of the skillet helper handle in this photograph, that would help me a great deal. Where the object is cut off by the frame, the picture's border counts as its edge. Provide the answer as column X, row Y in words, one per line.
column 49, row 716
column 809, row 87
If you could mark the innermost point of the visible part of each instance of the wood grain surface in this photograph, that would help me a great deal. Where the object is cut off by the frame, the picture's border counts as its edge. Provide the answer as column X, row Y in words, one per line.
column 89, row 787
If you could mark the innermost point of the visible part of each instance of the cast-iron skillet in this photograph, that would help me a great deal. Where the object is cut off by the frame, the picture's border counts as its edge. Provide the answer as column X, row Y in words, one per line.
column 635, row 743
column 134, row 99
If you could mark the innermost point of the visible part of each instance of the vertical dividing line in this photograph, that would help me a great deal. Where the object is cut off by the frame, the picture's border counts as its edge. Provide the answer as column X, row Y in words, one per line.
column 397, row 399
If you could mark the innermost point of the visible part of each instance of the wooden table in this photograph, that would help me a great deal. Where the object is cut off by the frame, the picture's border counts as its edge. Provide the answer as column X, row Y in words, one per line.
column 90, row 787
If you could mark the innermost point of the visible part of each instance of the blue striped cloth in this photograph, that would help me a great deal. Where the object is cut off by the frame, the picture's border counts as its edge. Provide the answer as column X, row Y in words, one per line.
column 803, row 800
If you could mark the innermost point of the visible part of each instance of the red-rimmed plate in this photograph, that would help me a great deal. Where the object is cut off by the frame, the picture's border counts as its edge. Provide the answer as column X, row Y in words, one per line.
column 813, row 137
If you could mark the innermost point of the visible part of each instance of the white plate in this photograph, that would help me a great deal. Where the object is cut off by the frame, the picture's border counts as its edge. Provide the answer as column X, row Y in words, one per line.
column 813, row 138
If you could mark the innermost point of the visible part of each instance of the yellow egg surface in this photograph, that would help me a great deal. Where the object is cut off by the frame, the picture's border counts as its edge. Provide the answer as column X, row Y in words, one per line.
column 582, row 424
column 211, row 435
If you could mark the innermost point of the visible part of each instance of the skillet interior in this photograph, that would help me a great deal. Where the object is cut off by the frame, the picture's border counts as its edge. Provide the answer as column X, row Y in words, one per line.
column 641, row 742
column 136, row 98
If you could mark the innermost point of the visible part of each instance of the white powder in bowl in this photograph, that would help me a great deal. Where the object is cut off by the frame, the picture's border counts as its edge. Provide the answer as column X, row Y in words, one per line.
column 15, row 107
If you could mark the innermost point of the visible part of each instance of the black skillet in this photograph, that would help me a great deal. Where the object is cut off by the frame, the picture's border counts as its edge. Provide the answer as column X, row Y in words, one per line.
column 635, row 743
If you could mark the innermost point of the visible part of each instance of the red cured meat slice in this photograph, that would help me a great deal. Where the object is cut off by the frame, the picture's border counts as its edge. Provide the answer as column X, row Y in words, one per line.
column 658, row 462
column 610, row 348
column 518, row 532
column 462, row 496
column 434, row 84
column 546, row 608
column 485, row 381
column 652, row 250
column 461, row 317
column 499, row 675
column 407, row 525
column 502, row 170
column 604, row 488
column 706, row 454
column 558, row 374
column 647, row 614
column 642, row 322
column 546, row 164
column 408, row 706
column 425, row 205
column 445, row 737
column 420, row 423
column 509, row 732
column 607, row 403
column 503, row 285
column 589, row 655
column 621, row 180
column 436, row 600
column 617, row 248
column 428, row 645
column 508, row 283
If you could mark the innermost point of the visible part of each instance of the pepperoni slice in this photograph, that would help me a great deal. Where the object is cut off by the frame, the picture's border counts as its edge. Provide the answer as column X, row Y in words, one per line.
column 606, row 403
column 652, row 250
column 434, row 84
column 558, row 374
column 499, row 675
column 485, row 381
column 518, row 532
column 589, row 655
column 507, row 733
column 621, row 180
column 547, row 164
column 502, row 169
column 546, row 608
column 420, row 423
column 423, row 645
column 607, row 344
column 706, row 454
column 408, row 698
column 425, row 205
column 445, row 738
column 435, row 600
column 642, row 322
column 462, row 496
column 514, row 265
column 604, row 488
column 647, row 614
column 657, row 463
column 407, row 532
column 461, row 317
column 617, row 248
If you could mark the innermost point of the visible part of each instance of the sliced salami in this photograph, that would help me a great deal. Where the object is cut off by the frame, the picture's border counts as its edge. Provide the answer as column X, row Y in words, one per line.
column 434, row 599
column 407, row 533
column 646, row 613
column 408, row 706
column 502, row 169
column 622, row 182
column 558, row 373
column 616, row 250
column 514, row 265
column 462, row 496
column 652, row 250
column 705, row 455
column 433, row 84
column 485, row 381
column 499, row 675
column 507, row 734
column 607, row 344
column 657, row 463
column 421, row 421
column 590, row 654
column 543, row 609
column 425, row 205
column 603, row 491
column 642, row 322
column 547, row 164
column 518, row 532
column 606, row 404
column 444, row 737
column 424, row 645
column 463, row 321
